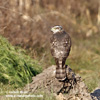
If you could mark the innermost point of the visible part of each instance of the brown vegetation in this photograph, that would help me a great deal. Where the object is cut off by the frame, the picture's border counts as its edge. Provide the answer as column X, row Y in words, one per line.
column 27, row 22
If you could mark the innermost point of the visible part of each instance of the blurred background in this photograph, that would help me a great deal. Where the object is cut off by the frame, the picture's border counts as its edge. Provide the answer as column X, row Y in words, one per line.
column 27, row 23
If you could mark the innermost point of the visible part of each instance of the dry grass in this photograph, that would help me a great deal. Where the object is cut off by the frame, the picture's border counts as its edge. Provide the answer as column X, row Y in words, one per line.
column 85, row 60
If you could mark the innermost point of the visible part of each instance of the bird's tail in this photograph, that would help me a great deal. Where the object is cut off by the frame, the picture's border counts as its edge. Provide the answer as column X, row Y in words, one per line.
column 60, row 71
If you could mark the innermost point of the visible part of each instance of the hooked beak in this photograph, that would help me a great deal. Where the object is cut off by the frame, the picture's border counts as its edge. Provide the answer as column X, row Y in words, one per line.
column 52, row 29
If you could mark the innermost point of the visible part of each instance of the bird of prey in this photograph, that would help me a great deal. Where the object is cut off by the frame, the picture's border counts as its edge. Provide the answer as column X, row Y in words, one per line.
column 60, row 43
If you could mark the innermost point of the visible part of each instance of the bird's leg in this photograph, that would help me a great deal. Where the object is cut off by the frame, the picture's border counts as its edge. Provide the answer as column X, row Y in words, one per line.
column 63, row 87
column 60, row 91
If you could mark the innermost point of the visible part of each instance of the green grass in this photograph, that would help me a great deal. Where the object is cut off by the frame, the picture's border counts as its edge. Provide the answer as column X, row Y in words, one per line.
column 16, row 67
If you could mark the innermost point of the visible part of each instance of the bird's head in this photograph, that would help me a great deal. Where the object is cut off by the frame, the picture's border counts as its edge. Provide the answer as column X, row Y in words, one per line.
column 56, row 29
